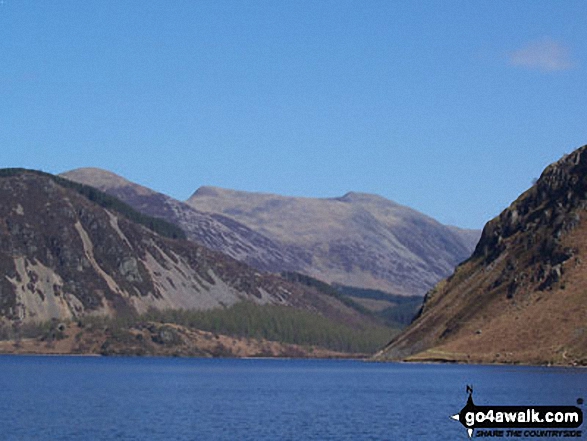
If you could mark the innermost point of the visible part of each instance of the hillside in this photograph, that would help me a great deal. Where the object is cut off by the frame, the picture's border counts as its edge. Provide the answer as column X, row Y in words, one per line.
column 64, row 256
column 521, row 297
column 357, row 240
column 215, row 232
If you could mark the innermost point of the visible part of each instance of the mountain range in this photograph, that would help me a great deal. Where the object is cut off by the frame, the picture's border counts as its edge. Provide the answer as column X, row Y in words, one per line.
column 358, row 239
column 90, row 245
column 68, row 251
column 520, row 297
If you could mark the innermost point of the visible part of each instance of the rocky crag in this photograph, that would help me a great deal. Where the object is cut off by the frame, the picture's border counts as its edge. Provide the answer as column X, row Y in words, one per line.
column 522, row 296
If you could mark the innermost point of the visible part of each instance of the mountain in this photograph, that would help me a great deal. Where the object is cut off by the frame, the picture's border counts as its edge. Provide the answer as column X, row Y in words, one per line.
column 358, row 239
column 521, row 297
column 69, row 251
column 215, row 232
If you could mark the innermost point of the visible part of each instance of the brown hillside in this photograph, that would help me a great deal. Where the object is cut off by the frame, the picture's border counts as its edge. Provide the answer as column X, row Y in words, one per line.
column 522, row 296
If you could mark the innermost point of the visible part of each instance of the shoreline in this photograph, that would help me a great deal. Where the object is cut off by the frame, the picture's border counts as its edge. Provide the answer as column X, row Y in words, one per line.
column 365, row 359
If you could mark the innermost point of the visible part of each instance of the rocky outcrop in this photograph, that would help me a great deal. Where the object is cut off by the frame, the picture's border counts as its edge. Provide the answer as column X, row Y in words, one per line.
column 521, row 296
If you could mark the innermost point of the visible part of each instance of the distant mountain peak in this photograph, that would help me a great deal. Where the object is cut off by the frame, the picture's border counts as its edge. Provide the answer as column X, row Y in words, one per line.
column 358, row 197
column 351, row 196
column 96, row 175
column 208, row 190
column 104, row 180
column 357, row 239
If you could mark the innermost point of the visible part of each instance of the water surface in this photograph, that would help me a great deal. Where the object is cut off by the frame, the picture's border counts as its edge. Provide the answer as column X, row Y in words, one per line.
column 101, row 398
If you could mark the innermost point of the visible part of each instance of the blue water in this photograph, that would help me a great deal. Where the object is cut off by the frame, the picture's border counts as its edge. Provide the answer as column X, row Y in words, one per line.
column 94, row 398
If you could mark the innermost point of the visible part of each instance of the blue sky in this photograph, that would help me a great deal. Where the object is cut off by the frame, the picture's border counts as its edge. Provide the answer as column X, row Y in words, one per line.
column 450, row 107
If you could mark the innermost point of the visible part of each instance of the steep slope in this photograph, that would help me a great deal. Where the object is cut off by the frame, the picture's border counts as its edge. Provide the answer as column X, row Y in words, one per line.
column 214, row 231
column 522, row 296
column 64, row 256
column 358, row 240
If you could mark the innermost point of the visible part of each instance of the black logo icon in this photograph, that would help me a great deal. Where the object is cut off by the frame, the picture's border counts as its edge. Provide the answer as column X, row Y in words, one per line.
column 514, row 417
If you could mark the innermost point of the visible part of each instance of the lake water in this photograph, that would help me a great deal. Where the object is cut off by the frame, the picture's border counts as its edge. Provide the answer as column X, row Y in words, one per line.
column 95, row 398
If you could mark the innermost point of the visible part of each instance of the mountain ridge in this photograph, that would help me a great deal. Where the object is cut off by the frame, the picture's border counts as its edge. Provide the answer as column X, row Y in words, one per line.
column 216, row 232
column 275, row 247
column 369, row 237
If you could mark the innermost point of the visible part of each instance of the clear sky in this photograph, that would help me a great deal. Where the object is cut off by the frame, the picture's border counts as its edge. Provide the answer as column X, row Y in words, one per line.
column 450, row 107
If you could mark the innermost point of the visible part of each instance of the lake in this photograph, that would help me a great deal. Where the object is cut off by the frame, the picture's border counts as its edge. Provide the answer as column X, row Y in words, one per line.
column 102, row 398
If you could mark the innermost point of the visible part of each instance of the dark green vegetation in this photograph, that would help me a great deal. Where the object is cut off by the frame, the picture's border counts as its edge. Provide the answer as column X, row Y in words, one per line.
column 279, row 323
column 245, row 320
column 324, row 288
column 400, row 313
column 46, row 331
column 282, row 324
column 106, row 201
column 396, row 311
